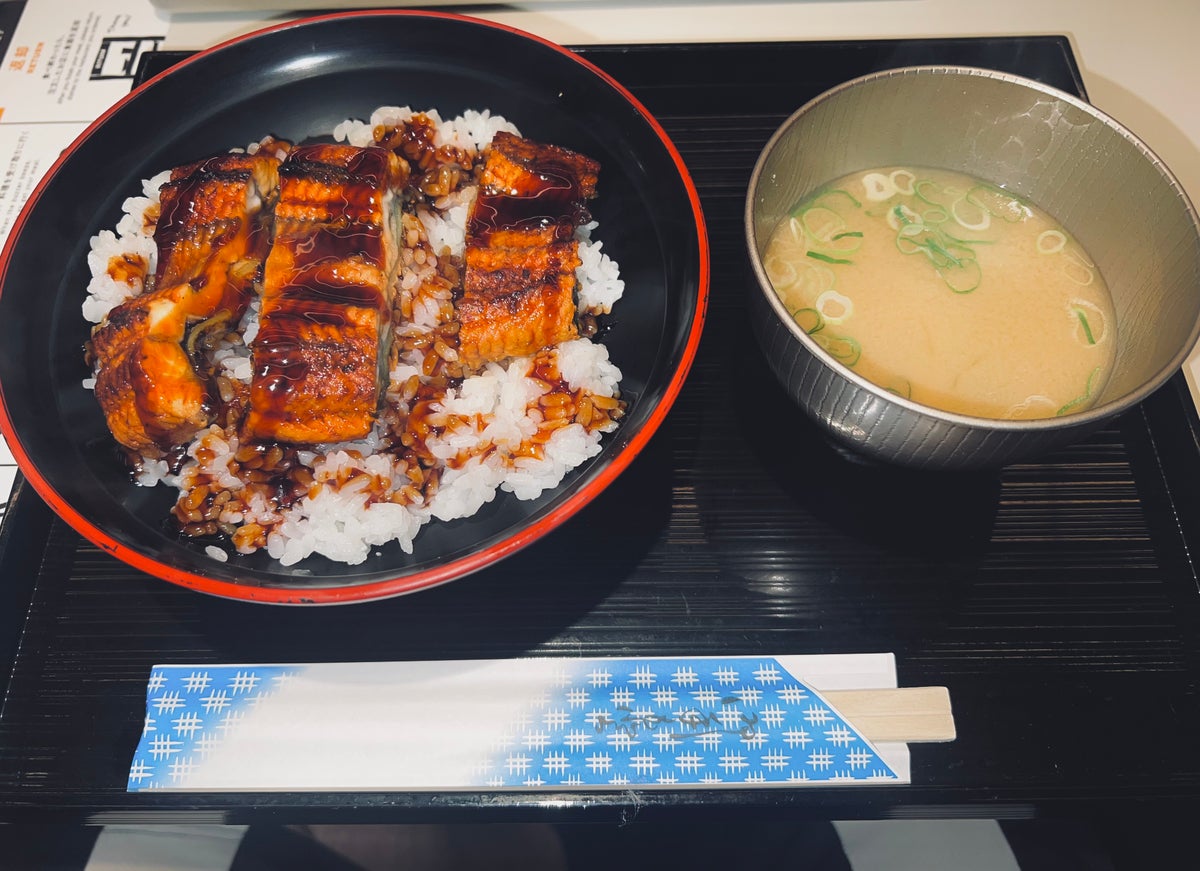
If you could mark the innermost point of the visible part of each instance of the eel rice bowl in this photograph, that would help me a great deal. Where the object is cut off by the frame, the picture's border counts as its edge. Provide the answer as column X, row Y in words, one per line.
column 325, row 347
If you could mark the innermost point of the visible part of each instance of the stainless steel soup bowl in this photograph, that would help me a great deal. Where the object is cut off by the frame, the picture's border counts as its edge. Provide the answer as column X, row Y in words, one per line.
column 1102, row 183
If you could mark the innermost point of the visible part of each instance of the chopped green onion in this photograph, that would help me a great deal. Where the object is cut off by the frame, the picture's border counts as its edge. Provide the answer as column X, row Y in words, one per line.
column 780, row 271
column 826, row 229
column 911, row 181
column 959, row 241
column 809, row 320
column 905, row 245
column 1058, row 241
column 919, row 189
column 821, row 223
column 825, row 258
column 847, row 195
column 1078, row 269
column 834, row 307
column 985, row 217
column 814, row 279
column 963, row 277
column 939, row 253
column 1080, row 400
column 1083, row 322
column 953, row 258
column 878, row 187
column 842, row 348
column 809, row 203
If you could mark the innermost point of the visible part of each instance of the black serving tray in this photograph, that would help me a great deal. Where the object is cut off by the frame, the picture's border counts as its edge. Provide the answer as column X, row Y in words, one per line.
column 1056, row 599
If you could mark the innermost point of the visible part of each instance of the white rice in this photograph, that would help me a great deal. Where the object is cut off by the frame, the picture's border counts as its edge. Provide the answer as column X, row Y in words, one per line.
column 600, row 284
column 358, row 501
column 447, row 228
column 336, row 522
column 130, row 239
column 470, row 131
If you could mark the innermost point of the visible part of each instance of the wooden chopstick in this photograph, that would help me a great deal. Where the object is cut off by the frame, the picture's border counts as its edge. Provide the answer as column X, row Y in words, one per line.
column 909, row 714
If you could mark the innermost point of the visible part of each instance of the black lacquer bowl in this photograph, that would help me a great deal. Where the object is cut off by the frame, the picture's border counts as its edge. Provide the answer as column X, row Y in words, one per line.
column 296, row 82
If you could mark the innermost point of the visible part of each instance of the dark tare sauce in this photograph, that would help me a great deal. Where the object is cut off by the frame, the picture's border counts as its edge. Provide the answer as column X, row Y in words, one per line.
column 551, row 198
column 319, row 288
column 369, row 166
column 175, row 220
column 279, row 363
column 333, row 243
column 545, row 369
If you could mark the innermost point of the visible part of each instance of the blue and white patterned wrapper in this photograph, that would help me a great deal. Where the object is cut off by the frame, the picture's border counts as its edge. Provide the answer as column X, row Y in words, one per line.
column 677, row 722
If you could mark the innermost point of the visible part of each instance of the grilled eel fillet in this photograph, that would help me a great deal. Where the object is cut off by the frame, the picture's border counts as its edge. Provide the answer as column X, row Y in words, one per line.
column 521, row 255
column 320, row 357
column 211, row 237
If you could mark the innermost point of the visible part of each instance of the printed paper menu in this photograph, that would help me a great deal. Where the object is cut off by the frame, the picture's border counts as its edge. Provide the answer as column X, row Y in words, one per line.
column 63, row 66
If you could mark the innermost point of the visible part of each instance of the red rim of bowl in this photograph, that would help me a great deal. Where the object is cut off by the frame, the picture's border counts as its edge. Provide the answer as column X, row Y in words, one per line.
column 440, row 574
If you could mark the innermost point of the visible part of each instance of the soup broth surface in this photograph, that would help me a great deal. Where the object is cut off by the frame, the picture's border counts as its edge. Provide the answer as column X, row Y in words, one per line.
column 947, row 290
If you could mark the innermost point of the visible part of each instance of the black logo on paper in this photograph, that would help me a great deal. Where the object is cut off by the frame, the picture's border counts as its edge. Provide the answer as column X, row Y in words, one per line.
column 119, row 55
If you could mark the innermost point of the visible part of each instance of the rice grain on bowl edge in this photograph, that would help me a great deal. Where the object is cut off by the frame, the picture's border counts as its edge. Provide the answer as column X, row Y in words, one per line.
column 447, row 439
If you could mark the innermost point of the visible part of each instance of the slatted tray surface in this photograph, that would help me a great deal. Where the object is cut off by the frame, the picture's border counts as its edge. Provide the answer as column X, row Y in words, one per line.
column 1056, row 599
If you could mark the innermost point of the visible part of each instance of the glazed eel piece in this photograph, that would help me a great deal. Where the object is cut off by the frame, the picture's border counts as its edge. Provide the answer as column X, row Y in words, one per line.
column 211, row 237
column 521, row 253
column 319, row 359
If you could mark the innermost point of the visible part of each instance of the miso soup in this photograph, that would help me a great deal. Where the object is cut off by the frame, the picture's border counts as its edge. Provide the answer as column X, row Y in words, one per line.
column 947, row 290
